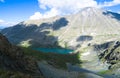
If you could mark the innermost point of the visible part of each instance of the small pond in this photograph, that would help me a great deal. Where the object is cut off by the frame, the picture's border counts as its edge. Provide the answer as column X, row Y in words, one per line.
column 55, row 50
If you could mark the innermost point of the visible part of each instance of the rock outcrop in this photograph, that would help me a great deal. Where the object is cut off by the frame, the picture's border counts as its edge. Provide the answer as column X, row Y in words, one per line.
column 112, row 55
column 13, row 58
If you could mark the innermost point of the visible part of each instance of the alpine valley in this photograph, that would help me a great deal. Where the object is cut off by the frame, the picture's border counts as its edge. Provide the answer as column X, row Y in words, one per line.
column 81, row 45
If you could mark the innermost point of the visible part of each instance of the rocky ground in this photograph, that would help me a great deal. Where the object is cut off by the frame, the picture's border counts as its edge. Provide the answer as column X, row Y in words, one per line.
column 96, row 63
column 103, row 58
column 52, row 72
column 12, row 58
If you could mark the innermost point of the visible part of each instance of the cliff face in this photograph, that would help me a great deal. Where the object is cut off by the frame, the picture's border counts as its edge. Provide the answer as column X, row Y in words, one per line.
column 111, row 55
column 13, row 58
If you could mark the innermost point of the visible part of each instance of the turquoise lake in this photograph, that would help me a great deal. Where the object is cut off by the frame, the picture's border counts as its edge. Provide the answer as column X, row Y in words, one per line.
column 54, row 50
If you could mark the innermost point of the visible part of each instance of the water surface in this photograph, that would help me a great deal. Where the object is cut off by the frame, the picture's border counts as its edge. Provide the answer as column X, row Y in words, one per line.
column 55, row 50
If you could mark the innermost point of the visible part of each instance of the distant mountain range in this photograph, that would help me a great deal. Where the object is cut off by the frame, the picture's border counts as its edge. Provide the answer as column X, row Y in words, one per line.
column 90, row 25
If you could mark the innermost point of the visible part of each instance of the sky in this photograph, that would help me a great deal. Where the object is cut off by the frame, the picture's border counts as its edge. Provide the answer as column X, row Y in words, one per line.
column 15, row 11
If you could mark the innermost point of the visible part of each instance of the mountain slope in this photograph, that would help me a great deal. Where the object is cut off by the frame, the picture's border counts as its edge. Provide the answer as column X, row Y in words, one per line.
column 90, row 25
column 14, row 64
column 92, row 32
column 12, row 59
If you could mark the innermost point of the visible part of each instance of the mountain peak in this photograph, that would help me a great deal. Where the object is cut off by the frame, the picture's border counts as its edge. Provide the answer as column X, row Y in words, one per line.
column 90, row 9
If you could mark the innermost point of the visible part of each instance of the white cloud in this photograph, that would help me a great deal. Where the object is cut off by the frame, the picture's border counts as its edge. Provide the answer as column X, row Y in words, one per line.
column 59, row 7
column 112, row 3
column 6, row 24
column 37, row 15
column 63, row 7
column 9, row 23
column 53, row 12
column 67, row 6
column 1, row 21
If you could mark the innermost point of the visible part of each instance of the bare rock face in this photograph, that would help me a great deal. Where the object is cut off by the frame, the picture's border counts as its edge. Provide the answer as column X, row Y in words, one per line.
column 13, row 58
column 112, row 55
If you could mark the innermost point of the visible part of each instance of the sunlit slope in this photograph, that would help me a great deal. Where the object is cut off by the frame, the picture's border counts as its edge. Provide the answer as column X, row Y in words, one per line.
column 90, row 25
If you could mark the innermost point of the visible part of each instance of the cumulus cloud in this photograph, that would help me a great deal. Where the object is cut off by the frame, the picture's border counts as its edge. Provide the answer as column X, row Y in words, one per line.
column 112, row 3
column 37, row 15
column 67, row 6
column 59, row 7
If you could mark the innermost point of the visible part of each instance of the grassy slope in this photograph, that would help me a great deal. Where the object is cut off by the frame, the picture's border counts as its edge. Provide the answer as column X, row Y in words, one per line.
column 57, row 60
column 12, row 74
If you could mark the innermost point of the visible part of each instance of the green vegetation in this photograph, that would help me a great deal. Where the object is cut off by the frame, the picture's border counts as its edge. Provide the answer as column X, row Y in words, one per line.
column 12, row 74
column 105, row 72
column 57, row 60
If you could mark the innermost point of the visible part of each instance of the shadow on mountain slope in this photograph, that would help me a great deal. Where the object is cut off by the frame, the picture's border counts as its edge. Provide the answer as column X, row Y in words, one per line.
column 85, row 38
column 33, row 35
column 13, row 61
column 114, row 15
column 55, row 25
column 59, row 23
column 103, row 46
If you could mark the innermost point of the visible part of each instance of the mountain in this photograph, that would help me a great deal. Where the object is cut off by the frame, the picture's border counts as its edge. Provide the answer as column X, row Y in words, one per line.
column 15, row 64
column 91, row 25
column 12, row 59
column 92, row 32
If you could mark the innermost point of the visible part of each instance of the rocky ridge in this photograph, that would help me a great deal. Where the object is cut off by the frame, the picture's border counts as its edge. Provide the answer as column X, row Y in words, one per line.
column 12, row 58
